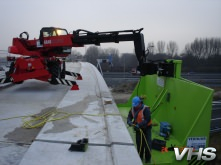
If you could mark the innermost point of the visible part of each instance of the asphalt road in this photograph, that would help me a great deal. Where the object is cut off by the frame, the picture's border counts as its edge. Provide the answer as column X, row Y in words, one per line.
column 207, row 79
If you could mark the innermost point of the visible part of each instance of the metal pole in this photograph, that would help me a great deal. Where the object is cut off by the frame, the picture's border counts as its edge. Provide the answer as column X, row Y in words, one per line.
column 124, row 68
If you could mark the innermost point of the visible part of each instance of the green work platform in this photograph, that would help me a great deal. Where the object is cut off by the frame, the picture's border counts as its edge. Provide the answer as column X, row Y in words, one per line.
column 184, row 104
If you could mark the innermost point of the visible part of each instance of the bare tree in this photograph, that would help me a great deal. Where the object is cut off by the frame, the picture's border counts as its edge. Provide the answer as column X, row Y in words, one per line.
column 75, row 55
column 128, row 60
column 151, row 48
column 187, row 50
column 114, row 53
column 197, row 48
column 217, row 46
column 160, row 47
column 172, row 48
column 204, row 48
column 92, row 54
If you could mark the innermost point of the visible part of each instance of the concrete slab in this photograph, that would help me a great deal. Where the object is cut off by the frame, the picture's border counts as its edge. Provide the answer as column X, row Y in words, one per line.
column 86, row 113
column 31, row 97
column 57, row 153
column 11, row 154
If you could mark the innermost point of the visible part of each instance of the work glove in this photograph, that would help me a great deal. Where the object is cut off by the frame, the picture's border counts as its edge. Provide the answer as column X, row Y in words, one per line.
column 136, row 127
column 130, row 123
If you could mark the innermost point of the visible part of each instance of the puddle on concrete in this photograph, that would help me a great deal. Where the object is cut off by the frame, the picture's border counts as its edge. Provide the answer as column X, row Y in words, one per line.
column 23, row 135
column 78, row 108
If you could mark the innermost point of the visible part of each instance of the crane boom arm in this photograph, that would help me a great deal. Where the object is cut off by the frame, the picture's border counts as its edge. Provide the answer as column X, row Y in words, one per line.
column 87, row 38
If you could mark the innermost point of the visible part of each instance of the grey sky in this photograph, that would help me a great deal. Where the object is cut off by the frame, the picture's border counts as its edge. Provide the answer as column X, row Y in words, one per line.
column 167, row 20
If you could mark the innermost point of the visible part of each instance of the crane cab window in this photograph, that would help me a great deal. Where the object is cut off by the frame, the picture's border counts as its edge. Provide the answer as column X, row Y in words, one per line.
column 61, row 32
column 55, row 32
column 48, row 32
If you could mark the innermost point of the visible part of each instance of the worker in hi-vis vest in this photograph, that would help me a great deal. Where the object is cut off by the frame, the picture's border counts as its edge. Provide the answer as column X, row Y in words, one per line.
column 140, row 117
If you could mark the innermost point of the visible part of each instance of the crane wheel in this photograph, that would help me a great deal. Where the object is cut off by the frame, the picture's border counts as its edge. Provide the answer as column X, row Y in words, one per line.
column 11, row 70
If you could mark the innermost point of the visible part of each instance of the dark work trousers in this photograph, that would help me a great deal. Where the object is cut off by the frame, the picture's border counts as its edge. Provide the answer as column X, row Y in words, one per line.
column 141, row 141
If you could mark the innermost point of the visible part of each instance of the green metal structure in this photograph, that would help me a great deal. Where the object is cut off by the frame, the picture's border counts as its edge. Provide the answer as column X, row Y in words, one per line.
column 184, row 104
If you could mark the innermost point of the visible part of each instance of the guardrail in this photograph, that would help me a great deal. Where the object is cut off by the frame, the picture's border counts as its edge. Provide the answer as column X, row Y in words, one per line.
column 208, row 79
column 215, row 125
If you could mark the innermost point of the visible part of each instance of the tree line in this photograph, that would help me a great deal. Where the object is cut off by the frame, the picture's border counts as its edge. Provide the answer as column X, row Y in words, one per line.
column 201, row 55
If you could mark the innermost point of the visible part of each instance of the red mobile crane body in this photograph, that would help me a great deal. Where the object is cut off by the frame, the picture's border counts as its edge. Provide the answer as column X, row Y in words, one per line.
column 44, row 58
